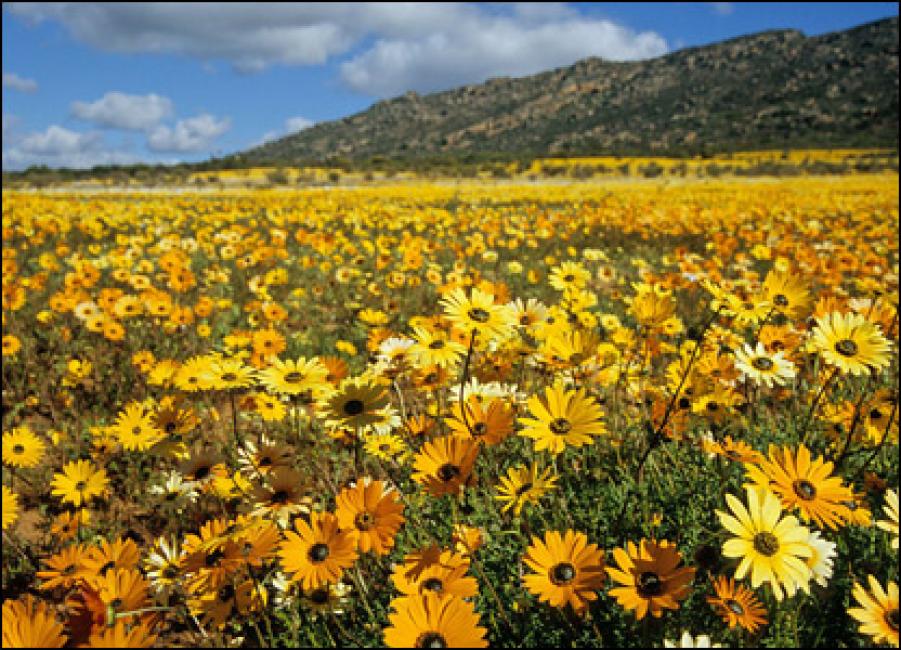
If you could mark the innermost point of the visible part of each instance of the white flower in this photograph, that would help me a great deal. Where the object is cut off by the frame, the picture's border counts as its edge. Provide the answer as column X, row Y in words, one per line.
column 687, row 641
column 820, row 563
column 891, row 511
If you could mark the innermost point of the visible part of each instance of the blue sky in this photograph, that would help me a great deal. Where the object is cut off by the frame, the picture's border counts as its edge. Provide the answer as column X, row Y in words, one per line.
column 101, row 83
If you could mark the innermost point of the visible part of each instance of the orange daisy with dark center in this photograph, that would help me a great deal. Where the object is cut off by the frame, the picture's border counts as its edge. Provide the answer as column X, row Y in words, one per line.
column 569, row 570
column 563, row 573
column 650, row 576
column 431, row 640
column 319, row 552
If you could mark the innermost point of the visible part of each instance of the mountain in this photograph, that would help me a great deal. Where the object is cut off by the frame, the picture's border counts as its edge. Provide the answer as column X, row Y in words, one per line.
column 775, row 89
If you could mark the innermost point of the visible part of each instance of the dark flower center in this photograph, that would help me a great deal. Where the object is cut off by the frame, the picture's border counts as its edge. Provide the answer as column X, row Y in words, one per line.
column 201, row 473
column 265, row 461
column 80, row 486
column 170, row 427
column 226, row 593
column 522, row 489
column 437, row 344
column 431, row 640
column 479, row 315
column 433, row 584
column 170, row 572
column 762, row 363
column 214, row 558
column 448, row 472
column 805, row 489
column 891, row 618
column 569, row 277
column 875, row 414
column 19, row 449
column 293, row 377
column 229, row 376
column 479, row 429
column 136, row 431
column 560, row 426
column 116, row 603
column 649, row 585
column 712, row 406
column 280, row 497
column 846, row 348
column 563, row 573
column 320, row 596
column 735, row 607
column 684, row 402
column 780, row 300
column 353, row 407
column 766, row 544
column 319, row 552
column 364, row 521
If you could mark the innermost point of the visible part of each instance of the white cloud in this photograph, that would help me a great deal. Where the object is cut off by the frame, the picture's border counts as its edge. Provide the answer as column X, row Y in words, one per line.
column 120, row 111
column 419, row 46
column 292, row 125
column 189, row 135
column 295, row 124
column 722, row 8
column 14, row 81
column 59, row 147
column 477, row 48
column 58, row 140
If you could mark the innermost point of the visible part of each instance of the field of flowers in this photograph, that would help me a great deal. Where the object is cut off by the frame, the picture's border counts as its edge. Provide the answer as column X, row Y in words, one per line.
column 445, row 415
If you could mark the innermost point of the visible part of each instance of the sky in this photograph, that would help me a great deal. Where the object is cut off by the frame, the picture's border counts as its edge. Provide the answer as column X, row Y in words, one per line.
column 89, row 84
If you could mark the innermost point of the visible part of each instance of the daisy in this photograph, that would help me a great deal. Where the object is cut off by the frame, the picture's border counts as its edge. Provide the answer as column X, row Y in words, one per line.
column 851, row 343
column 319, row 551
column 434, row 621
column 22, row 448
column 568, row 570
column 444, row 465
column 563, row 417
column 803, row 483
column 650, row 577
column 372, row 512
column 878, row 611
column 737, row 605
column 764, row 367
column 78, row 482
column 891, row 511
column 772, row 548
column 524, row 485
column 29, row 623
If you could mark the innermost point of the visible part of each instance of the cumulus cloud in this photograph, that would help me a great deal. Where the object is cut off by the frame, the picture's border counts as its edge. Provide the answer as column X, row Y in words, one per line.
column 58, row 146
column 420, row 46
column 478, row 47
column 292, row 125
column 59, row 140
column 14, row 81
column 722, row 8
column 189, row 135
column 295, row 124
column 117, row 110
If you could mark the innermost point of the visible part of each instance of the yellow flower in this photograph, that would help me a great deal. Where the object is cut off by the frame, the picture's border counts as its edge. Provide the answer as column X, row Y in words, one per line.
column 78, row 482
column 774, row 549
column 878, row 611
